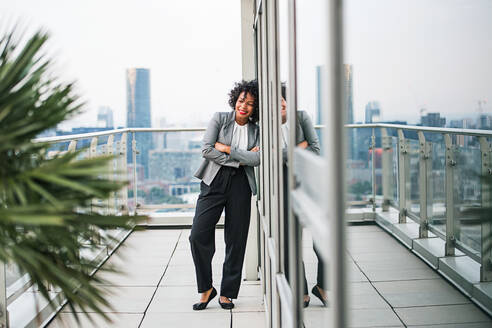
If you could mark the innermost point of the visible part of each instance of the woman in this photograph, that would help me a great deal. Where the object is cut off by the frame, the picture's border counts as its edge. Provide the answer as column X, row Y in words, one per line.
column 230, row 151
column 306, row 138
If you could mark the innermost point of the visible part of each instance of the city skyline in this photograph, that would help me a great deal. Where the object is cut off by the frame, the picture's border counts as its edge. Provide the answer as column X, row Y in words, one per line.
column 434, row 56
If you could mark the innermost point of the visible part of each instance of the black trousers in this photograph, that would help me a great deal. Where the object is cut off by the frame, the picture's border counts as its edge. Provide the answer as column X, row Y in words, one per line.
column 230, row 190
column 320, row 270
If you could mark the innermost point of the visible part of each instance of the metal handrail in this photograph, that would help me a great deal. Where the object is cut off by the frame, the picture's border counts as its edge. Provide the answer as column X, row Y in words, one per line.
column 81, row 136
column 467, row 132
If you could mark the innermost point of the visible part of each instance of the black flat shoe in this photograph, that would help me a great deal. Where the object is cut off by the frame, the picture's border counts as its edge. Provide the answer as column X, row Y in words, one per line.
column 316, row 293
column 203, row 305
column 306, row 303
column 226, row 306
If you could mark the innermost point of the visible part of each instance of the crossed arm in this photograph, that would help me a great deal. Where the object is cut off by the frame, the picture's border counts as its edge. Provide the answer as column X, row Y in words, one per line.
column 245, row 157
column 223, row 154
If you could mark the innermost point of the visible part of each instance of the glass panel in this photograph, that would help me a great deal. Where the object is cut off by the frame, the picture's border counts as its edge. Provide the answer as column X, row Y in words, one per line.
column 394, row 171
column 467, row 192
column 413, row 191
column 13, row 275
column 313, row 95
column 167, row 182
column 436, row 194
column 359, row 167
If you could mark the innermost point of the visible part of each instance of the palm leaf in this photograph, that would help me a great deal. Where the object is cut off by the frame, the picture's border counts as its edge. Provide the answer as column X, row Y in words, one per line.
column 45, row 203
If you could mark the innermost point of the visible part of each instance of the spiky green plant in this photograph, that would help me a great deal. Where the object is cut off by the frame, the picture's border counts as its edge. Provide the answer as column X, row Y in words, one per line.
column 45, row 203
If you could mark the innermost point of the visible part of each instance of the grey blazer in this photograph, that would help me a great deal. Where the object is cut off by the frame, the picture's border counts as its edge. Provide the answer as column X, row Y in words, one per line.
column 304, row 131
column 220, row 129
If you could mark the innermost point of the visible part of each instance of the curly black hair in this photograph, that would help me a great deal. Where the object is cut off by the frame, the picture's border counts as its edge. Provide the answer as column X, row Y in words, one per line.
column 250, row 87
column 283, row 90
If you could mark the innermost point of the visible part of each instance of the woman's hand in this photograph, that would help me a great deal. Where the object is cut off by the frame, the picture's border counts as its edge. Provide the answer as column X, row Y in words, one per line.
column 303, row 144
column 255, row 149
column 223, row 148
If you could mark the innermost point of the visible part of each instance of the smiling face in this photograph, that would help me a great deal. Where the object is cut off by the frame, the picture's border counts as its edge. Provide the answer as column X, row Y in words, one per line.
column 244, row 106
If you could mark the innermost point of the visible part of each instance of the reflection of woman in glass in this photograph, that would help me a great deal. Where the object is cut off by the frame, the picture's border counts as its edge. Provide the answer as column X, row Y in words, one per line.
column 306, row 138
column 230, row 150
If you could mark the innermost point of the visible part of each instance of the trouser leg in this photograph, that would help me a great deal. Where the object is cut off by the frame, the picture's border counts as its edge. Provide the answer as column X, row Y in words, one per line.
column 320, row 280
column 237, row 217
column 202, row 237
column 286, row 234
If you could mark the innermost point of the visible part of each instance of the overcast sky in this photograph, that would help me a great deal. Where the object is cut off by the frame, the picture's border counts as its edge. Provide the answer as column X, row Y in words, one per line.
column 406, row 54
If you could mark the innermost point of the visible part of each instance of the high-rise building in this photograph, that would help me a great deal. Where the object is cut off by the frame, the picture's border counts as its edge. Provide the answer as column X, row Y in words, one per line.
column 348, row 93
column 138, row 111
column 466, row 123
column 349, row 110
column 433, row 119
column 484, row 122
column 373, row 112
column 105, row 117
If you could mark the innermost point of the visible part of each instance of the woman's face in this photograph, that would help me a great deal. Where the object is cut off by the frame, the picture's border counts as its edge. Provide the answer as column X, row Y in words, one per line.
column 244, row 105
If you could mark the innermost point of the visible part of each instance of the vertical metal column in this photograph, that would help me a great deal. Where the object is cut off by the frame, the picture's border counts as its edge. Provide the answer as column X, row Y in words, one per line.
column 4, row 321
column 93, row 154
column 387, row 168
column 123, row 174
column 248, row 73
column 111, row 209
column 373, row 171
column 424, row 167
column 450, row 212
column 72, row 146
column 486, row 243
column 403, row 170
column 334, row 145
column 134, row 161
column 295, row 229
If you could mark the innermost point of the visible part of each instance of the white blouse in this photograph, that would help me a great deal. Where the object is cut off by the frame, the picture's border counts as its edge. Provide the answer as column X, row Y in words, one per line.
column 285, row 135
column 240, row 136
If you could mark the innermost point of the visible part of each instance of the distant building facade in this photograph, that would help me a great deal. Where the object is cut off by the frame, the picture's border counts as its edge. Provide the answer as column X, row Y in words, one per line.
column 139, row 112
column 373, row 112
column 174, row 166
column 349, row 109
column 105, row 117
column 433, row 120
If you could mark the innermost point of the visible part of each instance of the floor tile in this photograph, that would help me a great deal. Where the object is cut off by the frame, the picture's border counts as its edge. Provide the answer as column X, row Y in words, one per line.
column 400, row 274
column 249, row 320
column 126, row 299
column 179, row 299
column 458, row 325
column 362, row 295
column 119, row 320
column 196, row 319
column 249, row 304
column 430, row 315
column 373, row 318
column 420, row 293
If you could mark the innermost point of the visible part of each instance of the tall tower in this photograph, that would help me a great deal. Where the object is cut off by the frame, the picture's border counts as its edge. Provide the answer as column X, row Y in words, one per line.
column 373, row 112
column 347, row 83
column 105, row 117
column 138, row 112
column 349, row 110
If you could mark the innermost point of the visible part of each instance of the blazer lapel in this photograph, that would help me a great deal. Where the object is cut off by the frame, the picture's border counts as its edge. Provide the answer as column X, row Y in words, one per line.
column 229, row 127
column 252, row 134
column 299, row 132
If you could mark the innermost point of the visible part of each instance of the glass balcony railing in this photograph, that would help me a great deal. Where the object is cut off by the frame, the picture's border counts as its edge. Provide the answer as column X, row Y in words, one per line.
column 157, row 164
column 432, row 176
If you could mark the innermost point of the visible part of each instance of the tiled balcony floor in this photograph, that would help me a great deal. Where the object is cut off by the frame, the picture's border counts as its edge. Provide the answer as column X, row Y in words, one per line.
column 158, row 288
column 388, row 287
